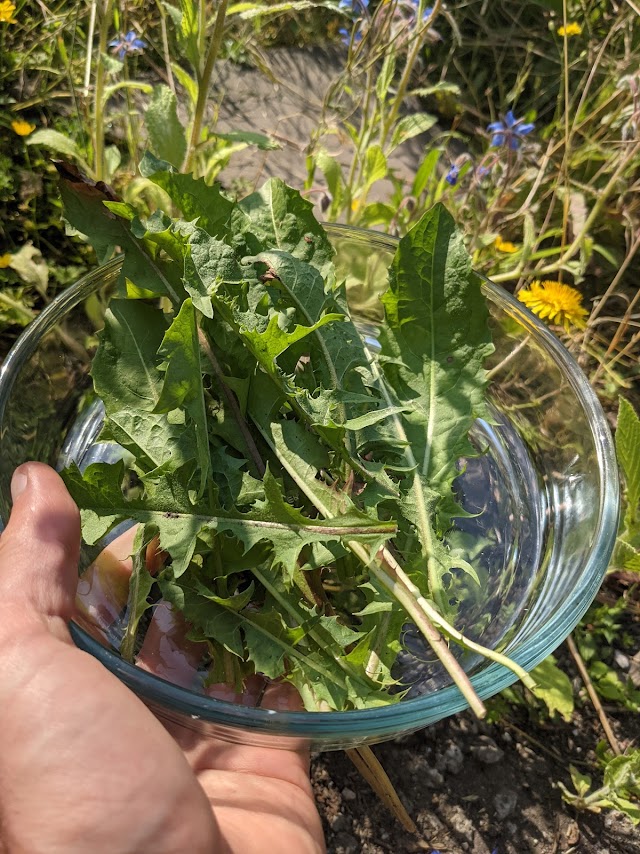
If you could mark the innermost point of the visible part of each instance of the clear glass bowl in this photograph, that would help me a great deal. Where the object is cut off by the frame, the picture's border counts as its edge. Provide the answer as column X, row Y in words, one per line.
column 544, row 499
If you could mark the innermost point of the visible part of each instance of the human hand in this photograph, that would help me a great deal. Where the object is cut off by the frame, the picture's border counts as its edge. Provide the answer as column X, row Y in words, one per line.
column 84, row 765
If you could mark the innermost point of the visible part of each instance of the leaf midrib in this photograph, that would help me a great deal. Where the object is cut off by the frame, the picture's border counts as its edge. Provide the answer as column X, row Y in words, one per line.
column 145, row 514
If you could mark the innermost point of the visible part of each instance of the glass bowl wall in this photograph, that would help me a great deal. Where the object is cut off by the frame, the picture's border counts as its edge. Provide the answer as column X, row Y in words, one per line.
column 542, row 494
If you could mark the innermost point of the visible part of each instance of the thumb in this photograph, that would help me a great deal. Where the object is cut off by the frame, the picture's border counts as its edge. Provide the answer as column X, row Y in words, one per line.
column 40, row 547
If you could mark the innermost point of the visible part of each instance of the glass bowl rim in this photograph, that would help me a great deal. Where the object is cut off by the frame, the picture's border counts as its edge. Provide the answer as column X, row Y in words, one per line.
column 408, row 714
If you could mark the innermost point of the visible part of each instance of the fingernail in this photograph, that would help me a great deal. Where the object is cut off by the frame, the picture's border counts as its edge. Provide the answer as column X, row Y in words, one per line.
column 18, row 484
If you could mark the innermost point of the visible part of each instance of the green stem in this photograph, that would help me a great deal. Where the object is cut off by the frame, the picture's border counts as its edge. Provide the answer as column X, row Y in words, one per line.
column 452, row 632
column 323, row 642
column 204, row 81
column 356, row 161
column 405, row 79
column 412, row 604
column 322, row 498
column 21, row 310
column 98, row 98
column 165, row 46
column 571, row 250
column 202, row 32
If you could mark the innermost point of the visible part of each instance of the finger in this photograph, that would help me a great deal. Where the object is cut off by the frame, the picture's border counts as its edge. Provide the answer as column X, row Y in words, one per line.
column 40, row 547
column 103, row 589
column 167, row 652
column 253, row 689
column 282, row 697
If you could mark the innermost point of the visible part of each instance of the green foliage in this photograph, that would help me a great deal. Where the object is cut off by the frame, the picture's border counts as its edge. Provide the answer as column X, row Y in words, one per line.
column 246, row 459
column 627, row 554
column 166, row 134
column 620, row 789
column 554, row 688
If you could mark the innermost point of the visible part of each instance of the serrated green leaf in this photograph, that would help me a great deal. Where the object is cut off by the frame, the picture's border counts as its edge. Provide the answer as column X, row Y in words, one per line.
column 628, row 449
column 268, row 345
column 208, row 263
column 85, row 210
column 151, row 438
column 433, row 345
column 213, row 619
column 554, row 688
column 192, row 196
column 140, row 584
column 278, row 217
column 167, row 505
column 124, row 368
column 410, row 126
column 235, row 485
column 166, row 134
column 183, row 387
column 59, row 143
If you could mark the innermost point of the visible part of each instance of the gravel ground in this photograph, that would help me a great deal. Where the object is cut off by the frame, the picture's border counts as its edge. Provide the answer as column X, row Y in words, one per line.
column 472, row 787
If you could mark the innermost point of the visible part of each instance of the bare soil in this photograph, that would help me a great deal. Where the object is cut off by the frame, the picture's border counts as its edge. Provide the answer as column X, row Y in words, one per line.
column 478, row 788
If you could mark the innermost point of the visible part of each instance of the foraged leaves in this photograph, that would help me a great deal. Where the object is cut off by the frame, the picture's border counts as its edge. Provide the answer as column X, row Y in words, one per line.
column 433, row 344
column 167, row 504
column 275, row 456
column 279, row 218
column 124, row 368
column 183, row 381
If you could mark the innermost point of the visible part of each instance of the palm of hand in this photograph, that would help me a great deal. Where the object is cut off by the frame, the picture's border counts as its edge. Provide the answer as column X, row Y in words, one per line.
column 84, row 765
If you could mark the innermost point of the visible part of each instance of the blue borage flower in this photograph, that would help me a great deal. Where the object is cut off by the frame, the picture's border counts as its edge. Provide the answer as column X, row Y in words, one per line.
column 345, row 36
column 452, row 175
column 356, row 7
column 130, row 43
column 509, row 132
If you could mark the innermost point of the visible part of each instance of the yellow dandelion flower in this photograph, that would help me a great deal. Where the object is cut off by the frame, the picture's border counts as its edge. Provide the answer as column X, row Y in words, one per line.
column 556, row 303
column 504, row 245
column 5, row 260
column 22, row 128
column 6, row 12
column 573, row 28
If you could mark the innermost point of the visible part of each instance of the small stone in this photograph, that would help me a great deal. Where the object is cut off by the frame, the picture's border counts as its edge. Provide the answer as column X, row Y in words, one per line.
column 621, row 659
column 452, row 760
column 348, row 794
column 572, row 833
column 345, row 843
column 432, row 778
column 507, row 737
column 487, row 751
column 504, row 803
column 338, row 823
